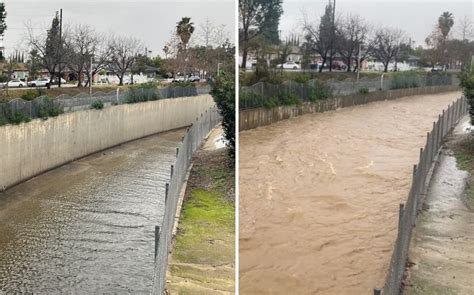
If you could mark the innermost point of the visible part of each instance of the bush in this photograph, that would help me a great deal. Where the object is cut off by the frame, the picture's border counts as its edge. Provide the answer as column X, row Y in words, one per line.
column 30, row 94
column 98, row 105
column 405, row 80
column 182, row 84
column 467, row 83
column 288, row 99
column 224, row 96
column 319, row 91
column 18, row 118
column 364, row 90
column 49, row 109
column 142, row 92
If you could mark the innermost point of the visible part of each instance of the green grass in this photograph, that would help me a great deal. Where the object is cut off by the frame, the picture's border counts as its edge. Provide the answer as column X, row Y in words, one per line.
column 206, row 223
column 464, row 153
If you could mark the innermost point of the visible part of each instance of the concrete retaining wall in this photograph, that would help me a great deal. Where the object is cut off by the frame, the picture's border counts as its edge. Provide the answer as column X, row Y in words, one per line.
column 253, row 118
column 30, row 149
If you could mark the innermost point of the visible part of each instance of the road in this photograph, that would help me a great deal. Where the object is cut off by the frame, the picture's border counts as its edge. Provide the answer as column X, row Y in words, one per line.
column 87, row 227
column 319, row 195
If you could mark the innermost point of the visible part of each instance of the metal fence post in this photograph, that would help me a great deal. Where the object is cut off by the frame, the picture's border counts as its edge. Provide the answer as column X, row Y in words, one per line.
column 167, row 188
column 172, row 170
column 157, row 239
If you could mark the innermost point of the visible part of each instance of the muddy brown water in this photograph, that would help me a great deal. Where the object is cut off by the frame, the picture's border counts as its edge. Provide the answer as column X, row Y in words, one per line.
column 87, row 227
column 319, row 195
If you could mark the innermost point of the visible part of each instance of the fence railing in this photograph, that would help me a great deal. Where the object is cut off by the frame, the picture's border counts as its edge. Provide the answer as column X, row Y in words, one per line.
column 41, row 106
column 420, row 181
column 252, row 96
column 164, row 233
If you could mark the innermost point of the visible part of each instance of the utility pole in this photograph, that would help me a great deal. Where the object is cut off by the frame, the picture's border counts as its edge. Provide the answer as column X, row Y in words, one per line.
column 91, row 78
column 358, row 62
column 60, row 44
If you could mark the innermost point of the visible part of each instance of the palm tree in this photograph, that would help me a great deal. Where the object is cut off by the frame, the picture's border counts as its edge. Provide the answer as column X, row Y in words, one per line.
column 445, row 23
column 184, row 30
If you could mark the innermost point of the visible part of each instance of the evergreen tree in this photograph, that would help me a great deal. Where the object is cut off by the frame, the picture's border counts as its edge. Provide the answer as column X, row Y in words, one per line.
column 3, row 16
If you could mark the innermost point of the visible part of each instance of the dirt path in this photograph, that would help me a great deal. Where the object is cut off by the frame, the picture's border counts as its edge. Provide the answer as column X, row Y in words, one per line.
column 319, row 195
column 442, row 249
column 204, row 252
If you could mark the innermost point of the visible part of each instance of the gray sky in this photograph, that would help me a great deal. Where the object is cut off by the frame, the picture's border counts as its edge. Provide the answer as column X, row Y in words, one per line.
column 151, row 21
column 416, row 17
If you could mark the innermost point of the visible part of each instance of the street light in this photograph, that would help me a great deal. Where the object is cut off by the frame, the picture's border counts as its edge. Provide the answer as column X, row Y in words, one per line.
column 218, row 68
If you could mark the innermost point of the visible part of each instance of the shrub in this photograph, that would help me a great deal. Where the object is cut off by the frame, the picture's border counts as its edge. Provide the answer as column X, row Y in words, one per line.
column 467, row 83
column 318, row 91
column 182, row 84
column 288, row 99
column 253, row 100
column 364, row 90
column 404, row 80
column 18, row 118
column 224, row 96
column 98, row 105
column 142, row 92
column 30, row 94
column 49, row 109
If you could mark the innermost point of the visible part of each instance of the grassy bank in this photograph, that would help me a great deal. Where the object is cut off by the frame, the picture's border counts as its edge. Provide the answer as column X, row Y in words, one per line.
column 203, row 255
column 464, row 152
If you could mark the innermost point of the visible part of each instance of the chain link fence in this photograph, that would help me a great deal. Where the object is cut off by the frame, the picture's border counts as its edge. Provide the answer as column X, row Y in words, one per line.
column 44, row 106
column 421, row 178
column 261, row 93
column 164, row 233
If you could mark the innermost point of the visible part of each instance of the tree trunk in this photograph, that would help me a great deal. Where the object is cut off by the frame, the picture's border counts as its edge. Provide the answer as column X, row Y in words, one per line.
column 244, row 58
column 323, row 62
column 121, row 81
column 385, row 65
column 349, row 60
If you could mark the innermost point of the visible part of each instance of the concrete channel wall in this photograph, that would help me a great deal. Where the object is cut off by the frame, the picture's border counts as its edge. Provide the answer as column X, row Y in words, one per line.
column 253, row 118
column 29, row 149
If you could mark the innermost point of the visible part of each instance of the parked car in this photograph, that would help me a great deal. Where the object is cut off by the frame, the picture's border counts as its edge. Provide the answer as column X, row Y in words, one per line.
column 289, row 65
column 55, row 81
column 15, row 83
column 194, row 78
column 338, row 65
column 42, row 82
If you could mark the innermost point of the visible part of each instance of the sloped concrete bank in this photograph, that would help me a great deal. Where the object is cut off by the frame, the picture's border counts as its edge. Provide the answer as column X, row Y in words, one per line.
column 27, row 150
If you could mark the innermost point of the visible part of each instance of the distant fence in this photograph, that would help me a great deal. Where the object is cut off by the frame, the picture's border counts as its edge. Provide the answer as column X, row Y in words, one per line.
column 164, row 233
column 38, row 106
column 256, row 117
column 304, row 91
column 421, row 178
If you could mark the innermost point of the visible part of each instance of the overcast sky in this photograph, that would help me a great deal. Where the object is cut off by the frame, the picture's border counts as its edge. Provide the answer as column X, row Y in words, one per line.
column 151, row 21
column 416, row 17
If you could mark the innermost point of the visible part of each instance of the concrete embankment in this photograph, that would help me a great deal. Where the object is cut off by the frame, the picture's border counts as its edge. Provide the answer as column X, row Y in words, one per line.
column 30, row 149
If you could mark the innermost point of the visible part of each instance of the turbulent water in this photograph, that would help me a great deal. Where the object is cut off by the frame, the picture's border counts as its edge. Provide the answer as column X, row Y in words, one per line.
column 87, row 227
column 319, row 195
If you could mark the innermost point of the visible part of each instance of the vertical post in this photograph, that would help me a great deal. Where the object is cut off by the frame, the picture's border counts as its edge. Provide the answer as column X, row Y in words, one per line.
column 177, row 150
column 90, row 79
column 428, row 147
column 172, row 170
column 358, row 63
column 438, row 129
column 157, row 239
column 60, row 44
column 167, row 189
column 377, row 291
column 442, row 124
column 381, row 82
column 401, row 209
column 118, row 90
column 435, row 135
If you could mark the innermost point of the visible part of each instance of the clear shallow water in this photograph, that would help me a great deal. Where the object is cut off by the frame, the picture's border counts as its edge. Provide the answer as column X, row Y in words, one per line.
column 87, row 227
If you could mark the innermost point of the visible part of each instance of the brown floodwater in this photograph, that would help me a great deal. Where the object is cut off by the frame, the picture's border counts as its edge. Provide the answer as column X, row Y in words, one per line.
column 319, row 195
column 87, row 227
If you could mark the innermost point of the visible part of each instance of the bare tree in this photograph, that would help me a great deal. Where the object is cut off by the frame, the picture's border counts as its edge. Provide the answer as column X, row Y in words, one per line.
column 124, row 52
column 320, row 36
column 465, row 28
column 84, row 42
column 386, row 45
column 352, row 34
